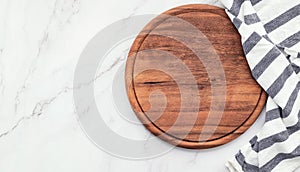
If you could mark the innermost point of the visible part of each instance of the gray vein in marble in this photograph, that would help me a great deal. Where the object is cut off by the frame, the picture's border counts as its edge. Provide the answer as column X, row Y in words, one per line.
column 41, row 106
column 37, row 111
column 75, row 6
column 194, row 160
column 119, row 60
column 84, row 112
column 32, row 67
column 42, row 43
column 139, row 5
column 148, row 137
column 115, row 63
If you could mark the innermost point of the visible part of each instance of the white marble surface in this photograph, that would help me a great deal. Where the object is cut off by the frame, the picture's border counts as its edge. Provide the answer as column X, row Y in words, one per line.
column 40, row 43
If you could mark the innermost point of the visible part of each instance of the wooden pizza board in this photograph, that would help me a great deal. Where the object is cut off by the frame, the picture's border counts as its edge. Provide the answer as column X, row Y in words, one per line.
column 180, row 90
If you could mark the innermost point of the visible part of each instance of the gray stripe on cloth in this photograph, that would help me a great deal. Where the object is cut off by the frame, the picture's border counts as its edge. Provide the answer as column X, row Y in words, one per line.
column 277, row 85
column 291, row 102
column 265, row 62
column 273, row 114
column 237, row 22
column 282, row 136
column 296, row 68
column 253, row 39
column 251, row 19
column 282, row 19
column 291, row 41
column 236, row 6
column 245, row 166
column 254, row 2
column 279, row 158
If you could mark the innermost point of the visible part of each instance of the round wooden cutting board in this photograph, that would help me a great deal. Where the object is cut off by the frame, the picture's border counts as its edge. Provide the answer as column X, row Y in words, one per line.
column 188, row 81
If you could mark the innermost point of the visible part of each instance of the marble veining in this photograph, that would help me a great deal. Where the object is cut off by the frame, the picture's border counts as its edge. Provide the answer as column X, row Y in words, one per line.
column 40, row 43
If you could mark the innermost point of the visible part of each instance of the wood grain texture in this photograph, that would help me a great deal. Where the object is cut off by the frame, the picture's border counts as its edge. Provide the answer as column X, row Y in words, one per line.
column 161, row 68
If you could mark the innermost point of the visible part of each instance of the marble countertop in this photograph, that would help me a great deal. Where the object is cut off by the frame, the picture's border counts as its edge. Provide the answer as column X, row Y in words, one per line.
column 40, row 44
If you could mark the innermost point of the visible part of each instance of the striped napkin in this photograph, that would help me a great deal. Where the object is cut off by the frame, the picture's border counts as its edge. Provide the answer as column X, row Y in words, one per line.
column 270, row 31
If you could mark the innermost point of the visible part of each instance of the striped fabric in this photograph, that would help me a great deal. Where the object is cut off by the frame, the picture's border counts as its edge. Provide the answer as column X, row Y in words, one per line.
column 270, row 31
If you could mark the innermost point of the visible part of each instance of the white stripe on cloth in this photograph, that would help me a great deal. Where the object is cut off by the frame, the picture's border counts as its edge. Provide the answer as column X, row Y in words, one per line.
column 270, row 32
